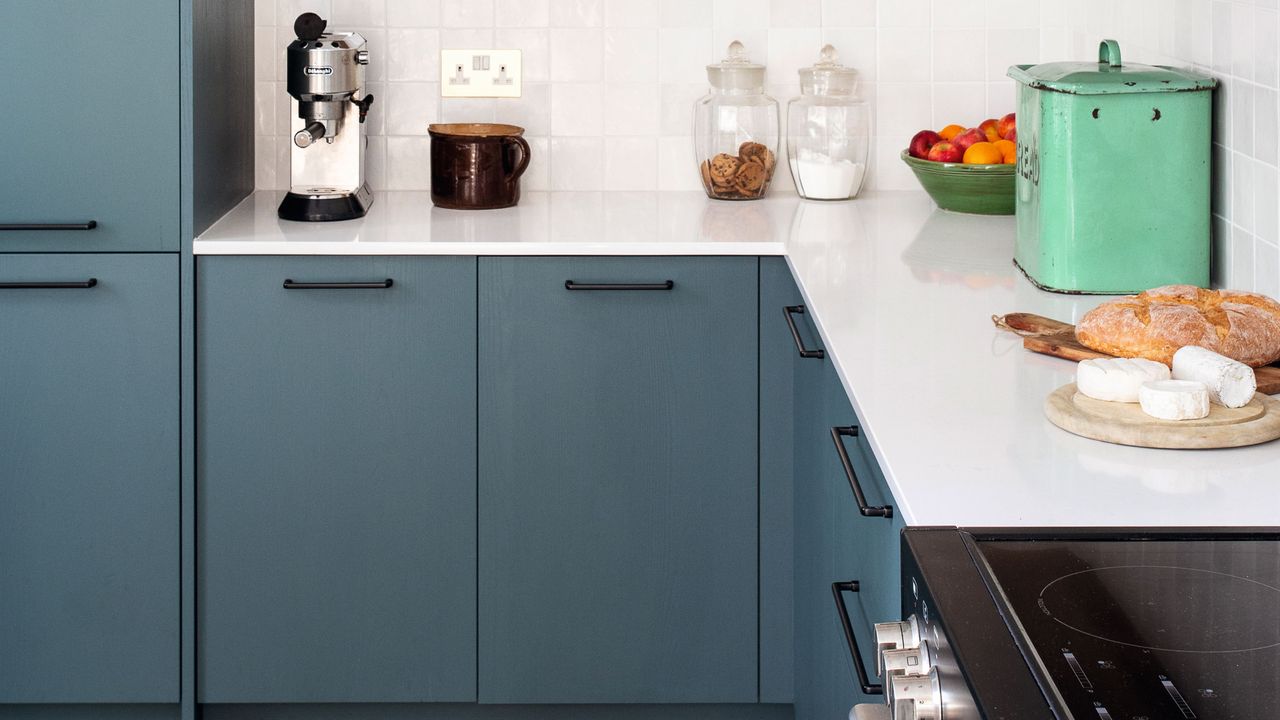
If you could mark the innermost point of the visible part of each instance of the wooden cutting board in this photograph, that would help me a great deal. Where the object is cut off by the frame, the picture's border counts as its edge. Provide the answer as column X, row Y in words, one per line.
column 1050, row 337
column 1126, row 424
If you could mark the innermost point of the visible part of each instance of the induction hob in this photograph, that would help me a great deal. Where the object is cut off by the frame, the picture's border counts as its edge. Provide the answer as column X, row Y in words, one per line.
column 1080, row 624
column 1148, row 628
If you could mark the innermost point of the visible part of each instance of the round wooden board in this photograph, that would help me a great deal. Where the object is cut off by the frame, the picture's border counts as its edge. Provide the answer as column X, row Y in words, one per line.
column 1126, row 424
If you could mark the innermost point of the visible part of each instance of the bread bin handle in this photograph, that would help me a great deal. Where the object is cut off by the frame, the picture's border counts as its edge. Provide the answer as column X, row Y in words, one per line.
column 1109, row 53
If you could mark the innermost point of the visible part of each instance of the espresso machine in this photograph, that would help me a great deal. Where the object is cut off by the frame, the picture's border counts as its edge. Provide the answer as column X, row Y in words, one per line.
column 326, row 162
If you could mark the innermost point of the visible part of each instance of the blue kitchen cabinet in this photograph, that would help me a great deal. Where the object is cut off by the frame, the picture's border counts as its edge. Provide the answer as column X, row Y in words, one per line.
column 821, row 686
column 89, row 479
column 836, row 543
column 786, row 361
column 336, row 475
column 92, row 132
column 618, row 480
column 866, row 547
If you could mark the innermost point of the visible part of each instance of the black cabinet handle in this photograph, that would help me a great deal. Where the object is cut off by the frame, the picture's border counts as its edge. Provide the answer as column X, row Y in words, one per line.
column 49, row 226
column 884, row 511
column 84, row 285
column 380, row 285
column 571, row 285
column 791, row 311
column 838, row 590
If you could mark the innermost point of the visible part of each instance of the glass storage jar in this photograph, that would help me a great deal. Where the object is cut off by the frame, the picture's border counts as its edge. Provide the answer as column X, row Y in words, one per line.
column 735, row 130
column 828, row 131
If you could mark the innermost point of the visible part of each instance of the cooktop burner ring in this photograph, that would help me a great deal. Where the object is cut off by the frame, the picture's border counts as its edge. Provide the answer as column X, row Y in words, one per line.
column 1223, row 633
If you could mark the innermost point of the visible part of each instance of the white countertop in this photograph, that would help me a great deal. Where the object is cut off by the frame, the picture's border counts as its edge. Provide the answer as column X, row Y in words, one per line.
column 557, row 223
column 902, row 295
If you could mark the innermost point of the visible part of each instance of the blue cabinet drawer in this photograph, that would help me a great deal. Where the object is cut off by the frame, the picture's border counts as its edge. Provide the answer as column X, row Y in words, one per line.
column 618, row 480
column 92, row 130
column 89, row 479
column 336, row 486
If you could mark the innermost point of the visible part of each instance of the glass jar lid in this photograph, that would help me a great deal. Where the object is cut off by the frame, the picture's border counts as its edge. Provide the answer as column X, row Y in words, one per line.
column 828, row 76
column 736, row 71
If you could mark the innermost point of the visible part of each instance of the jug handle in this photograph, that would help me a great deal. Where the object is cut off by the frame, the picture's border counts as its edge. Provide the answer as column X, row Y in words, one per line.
column 525, row 154
column 1109, row 53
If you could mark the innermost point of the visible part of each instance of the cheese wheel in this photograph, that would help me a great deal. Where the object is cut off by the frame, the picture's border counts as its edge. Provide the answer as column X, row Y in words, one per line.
column 1117, row 379
column 1174, row 399
column 1230, row 383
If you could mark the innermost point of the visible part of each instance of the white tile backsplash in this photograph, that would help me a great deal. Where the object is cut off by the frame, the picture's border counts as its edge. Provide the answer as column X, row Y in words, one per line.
column 610, row 84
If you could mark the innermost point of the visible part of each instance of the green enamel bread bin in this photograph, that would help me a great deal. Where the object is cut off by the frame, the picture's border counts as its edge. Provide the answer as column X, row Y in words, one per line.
column 1113, row 185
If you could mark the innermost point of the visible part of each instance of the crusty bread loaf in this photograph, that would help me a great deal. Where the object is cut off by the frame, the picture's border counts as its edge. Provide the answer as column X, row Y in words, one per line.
column 1153, row 325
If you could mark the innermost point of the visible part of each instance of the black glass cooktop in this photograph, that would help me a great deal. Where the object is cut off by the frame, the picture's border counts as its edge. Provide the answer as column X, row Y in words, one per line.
column 1149, row 629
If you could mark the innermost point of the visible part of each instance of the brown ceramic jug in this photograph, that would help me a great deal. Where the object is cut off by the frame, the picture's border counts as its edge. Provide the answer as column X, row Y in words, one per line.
column 477, row 166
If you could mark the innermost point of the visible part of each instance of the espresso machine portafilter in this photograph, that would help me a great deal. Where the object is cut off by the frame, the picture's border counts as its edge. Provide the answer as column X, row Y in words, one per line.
column 326, row 80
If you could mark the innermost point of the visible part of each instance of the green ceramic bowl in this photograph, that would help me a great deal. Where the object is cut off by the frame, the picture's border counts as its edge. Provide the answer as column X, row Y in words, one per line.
column 977, row 189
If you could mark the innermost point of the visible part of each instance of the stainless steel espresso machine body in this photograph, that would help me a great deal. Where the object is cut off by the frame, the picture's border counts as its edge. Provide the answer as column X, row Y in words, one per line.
column 326, row 81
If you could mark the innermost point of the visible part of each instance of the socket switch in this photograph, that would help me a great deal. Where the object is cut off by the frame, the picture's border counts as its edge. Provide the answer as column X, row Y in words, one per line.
column 480, row 73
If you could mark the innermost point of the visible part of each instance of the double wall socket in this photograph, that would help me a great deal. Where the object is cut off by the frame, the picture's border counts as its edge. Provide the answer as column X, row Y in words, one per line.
column 480, row 73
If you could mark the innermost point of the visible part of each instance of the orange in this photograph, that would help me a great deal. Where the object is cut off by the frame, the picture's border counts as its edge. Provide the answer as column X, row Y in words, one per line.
column 950, row 132
column 1008, row 150
column 983, row 153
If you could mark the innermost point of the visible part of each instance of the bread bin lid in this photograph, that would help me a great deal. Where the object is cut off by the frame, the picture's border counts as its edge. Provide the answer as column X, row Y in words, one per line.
column 1109, row 76
column 828, row 76
column 736, row 72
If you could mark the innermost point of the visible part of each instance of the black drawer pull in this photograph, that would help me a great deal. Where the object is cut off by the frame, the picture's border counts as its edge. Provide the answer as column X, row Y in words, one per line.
column 85, row 285
column 838, row 590
column 49, row 226
column 571, row 285
column 381, row 285
column 791, row 311
column 884, row 511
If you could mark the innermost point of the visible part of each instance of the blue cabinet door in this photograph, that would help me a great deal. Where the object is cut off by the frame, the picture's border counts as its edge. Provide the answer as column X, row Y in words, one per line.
column 89, row 451
column 91, row 125
column 618, row 481
column 782, row 372
column 336, row 502
column 866, row 550
column 836, row 543
column 821, row 687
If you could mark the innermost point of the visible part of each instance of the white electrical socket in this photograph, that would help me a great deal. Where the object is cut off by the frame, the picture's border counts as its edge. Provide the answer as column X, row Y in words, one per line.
column 480, row 73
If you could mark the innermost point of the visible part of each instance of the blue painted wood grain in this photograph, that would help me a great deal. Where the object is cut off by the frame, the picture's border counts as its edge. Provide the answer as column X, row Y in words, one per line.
column 92, row 127
column 336, row 481
column 780, row 364
column 618, row 481
column 89, row 445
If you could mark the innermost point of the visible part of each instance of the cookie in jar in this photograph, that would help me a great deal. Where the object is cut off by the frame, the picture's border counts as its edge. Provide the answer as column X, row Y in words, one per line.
column 736, row 130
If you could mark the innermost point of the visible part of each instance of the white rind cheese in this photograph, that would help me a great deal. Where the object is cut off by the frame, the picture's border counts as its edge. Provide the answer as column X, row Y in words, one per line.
column 1117, row 379
column 1229, row 382
column 1174, row 399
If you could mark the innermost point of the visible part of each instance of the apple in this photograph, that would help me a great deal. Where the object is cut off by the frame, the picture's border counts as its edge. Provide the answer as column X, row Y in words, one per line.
column 921, row 143
column 946, row 152
column 990, row 128
column 1007, row 126
column 1012, row 136
column 967, row 138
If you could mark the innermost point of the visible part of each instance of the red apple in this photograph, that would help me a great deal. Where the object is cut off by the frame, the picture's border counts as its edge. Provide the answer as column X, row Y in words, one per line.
column 989, row 127
column 1007, row 125
column 946, row 152
column 1012, row 136
column 969, row 137
column 921, row 143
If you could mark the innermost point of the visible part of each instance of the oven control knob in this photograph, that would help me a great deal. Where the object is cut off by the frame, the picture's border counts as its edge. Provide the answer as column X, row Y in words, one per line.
column 916, row 697
column 907, row 661
column 895, row 636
